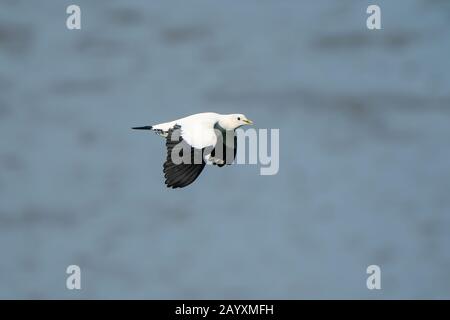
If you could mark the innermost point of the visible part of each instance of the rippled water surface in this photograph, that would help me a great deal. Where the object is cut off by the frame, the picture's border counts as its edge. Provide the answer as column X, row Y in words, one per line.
column 364, row 141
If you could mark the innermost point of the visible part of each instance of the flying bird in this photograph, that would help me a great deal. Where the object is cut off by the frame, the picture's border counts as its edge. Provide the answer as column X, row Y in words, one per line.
column 208, row 138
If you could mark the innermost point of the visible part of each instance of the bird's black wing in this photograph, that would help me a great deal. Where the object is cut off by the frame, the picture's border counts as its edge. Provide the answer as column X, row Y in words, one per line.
column 225, row 148
column 179, row 175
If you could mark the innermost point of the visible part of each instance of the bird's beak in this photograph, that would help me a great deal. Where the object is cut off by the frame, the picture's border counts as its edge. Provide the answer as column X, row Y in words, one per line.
column 248, row 121
column 142, row 128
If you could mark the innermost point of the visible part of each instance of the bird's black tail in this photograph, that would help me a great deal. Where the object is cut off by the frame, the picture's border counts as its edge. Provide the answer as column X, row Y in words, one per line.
column 143, row 128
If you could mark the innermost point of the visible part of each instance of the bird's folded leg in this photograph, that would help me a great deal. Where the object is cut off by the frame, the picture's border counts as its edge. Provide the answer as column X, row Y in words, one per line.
column 213, row 160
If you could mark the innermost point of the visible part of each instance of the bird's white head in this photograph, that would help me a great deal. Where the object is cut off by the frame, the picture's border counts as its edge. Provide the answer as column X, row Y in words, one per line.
column 233, row 121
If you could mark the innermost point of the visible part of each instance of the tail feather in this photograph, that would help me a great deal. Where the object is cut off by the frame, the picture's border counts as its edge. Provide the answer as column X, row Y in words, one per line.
column 143, row 128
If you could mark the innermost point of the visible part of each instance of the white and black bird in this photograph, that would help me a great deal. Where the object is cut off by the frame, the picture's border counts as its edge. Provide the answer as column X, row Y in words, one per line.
column 210, row 136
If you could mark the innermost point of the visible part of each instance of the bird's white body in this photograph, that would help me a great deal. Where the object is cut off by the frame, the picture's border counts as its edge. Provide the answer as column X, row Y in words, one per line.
column 198, row 129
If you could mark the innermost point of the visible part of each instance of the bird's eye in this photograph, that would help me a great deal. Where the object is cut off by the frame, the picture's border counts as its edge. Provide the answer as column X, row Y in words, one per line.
column 239, row 118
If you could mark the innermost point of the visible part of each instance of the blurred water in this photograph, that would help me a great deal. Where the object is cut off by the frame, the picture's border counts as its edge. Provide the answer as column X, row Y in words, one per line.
column 364, row 173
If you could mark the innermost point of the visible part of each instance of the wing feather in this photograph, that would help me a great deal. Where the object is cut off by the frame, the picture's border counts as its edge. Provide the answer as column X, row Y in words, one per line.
column 225, row 148
column 183, row 174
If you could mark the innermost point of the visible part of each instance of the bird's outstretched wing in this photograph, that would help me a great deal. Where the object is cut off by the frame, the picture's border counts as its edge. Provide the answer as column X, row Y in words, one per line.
column 224, row 151
column 181, row 174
